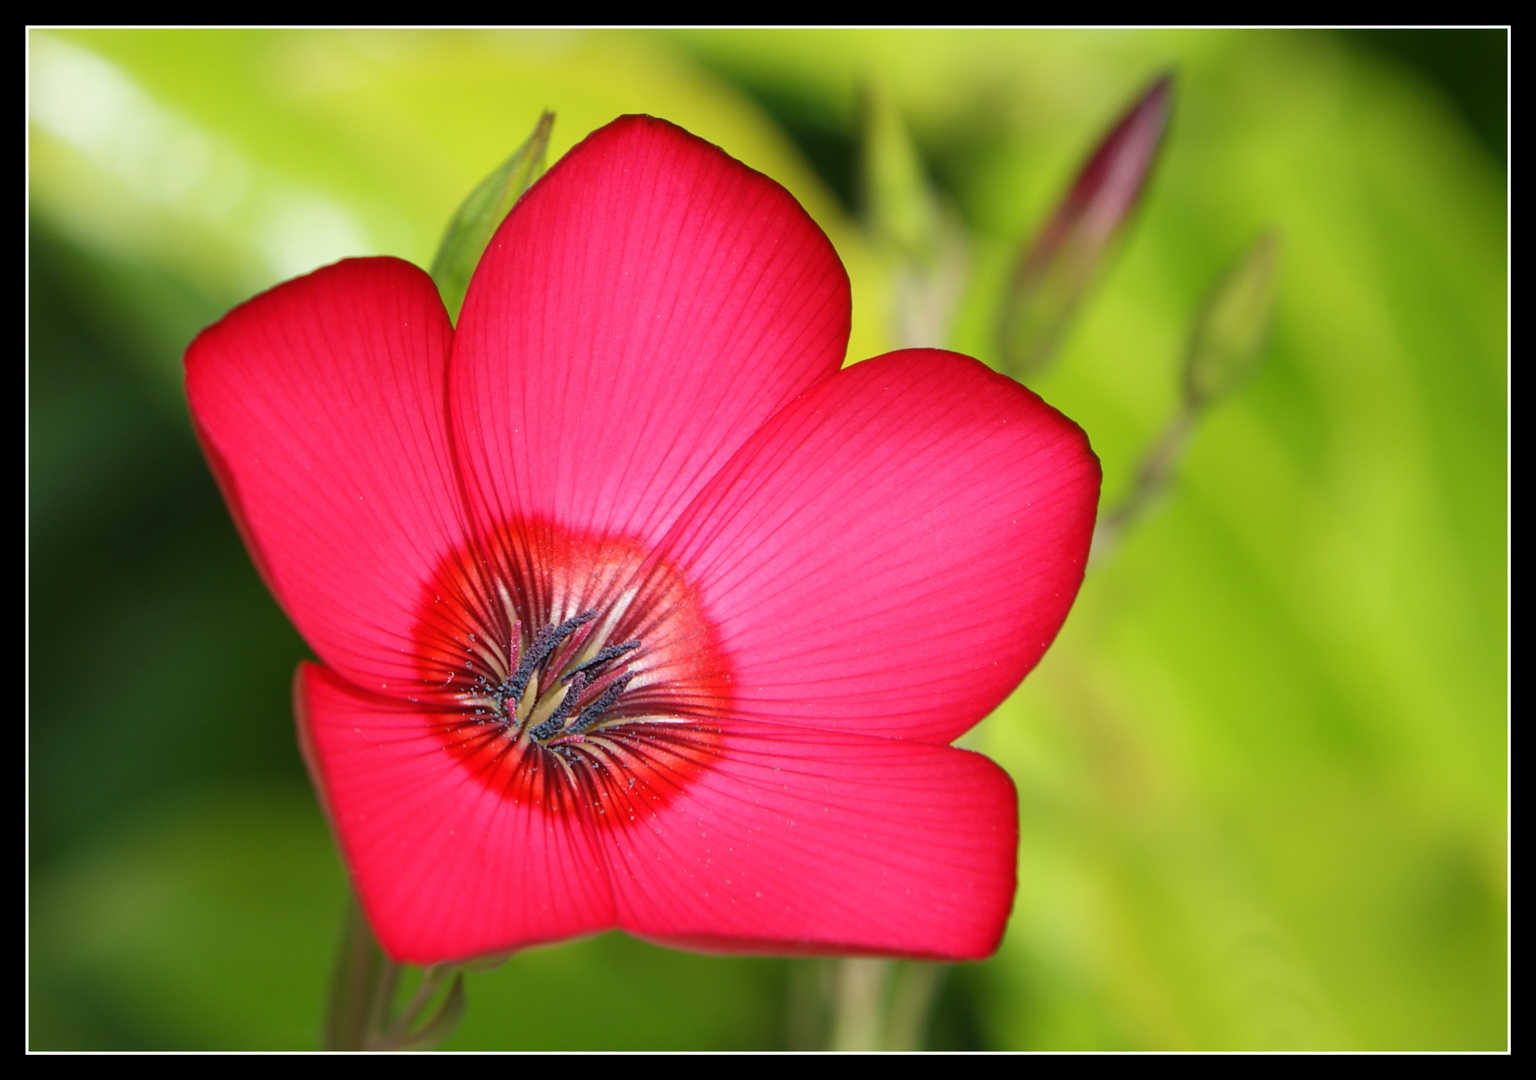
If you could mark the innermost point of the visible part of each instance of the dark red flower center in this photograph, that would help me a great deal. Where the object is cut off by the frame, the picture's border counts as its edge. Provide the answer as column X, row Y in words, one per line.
column 571, row 671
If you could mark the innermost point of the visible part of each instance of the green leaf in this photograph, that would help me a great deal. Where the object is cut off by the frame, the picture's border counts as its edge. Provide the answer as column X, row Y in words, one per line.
column 482, row 213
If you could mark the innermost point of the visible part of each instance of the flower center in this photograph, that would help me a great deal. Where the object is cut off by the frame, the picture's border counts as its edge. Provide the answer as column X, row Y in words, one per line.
column 561, row 667
column 568, row 682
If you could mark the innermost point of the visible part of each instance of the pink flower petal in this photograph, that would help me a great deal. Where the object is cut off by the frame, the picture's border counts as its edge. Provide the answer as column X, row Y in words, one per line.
column 644, row 308
column 895, row 550
column 320, row 405
column 446, row 865
column 796, row 840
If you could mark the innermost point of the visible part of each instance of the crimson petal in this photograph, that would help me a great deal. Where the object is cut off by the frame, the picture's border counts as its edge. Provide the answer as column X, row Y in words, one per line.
column 895, row 550
column 819, row 841
column 446, row 866
column 644, row 308
column 320, row 406
column 785, row 840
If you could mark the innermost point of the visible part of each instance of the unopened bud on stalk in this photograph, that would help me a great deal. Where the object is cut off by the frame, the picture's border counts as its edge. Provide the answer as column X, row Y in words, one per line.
column 910, row 221
column 1230, row 331
column 899, row 204
column 1057, row 269
column 1225, row 345
column 478, row 218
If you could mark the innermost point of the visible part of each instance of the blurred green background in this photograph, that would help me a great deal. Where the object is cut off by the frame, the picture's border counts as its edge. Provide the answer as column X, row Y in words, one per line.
column 1263, row 772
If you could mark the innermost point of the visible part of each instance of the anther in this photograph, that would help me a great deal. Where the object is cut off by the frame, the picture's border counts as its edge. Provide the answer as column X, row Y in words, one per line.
column 594, row 712
column 611, row 652
column 544, row 642
column 562, row 711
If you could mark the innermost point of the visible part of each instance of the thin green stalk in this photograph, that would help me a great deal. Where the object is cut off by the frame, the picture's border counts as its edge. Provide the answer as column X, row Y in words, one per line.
column 859, row 1001
column 1154, row 476
column 916, row 988
column 362, row 969
column 361, row 1014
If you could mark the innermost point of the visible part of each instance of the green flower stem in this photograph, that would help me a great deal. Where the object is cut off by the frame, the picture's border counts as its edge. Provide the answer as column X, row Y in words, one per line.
column 882, row 1004
column 859, row 1004
column 913, row 996
column 361, row 1015
column 1154, row 476
column 364, row 976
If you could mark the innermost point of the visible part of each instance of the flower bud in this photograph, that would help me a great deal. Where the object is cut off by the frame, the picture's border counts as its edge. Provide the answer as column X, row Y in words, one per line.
column 1057, row 269
column 899, row 203
column 914, row 226
column 1230, row 331
column 478, row 217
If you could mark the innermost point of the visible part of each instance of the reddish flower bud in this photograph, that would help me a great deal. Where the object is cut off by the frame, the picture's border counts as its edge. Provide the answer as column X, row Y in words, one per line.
column 1057, row 269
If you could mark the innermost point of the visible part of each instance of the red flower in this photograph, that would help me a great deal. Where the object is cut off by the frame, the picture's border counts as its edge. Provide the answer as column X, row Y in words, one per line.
column 632, row 608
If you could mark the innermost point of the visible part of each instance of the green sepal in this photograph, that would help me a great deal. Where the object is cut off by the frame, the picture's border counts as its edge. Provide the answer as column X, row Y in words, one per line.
column 479, row 216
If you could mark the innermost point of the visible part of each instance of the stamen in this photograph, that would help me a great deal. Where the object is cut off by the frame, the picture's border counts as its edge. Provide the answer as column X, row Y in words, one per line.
column 544, row 642
column 574, row 665
column 594, row 712
column 562, row 711
column 611, row 652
